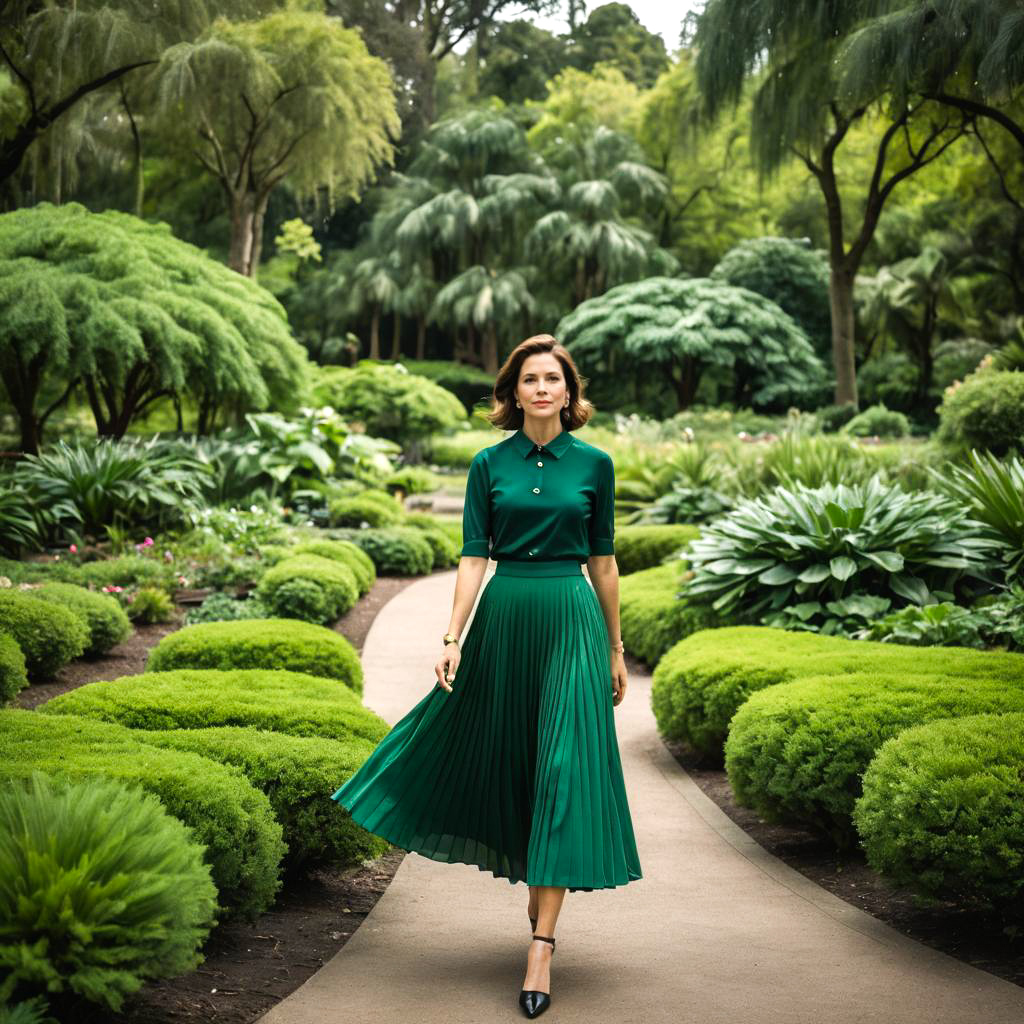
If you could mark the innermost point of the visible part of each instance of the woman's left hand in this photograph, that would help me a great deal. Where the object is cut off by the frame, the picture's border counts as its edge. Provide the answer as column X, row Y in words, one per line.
column 619, row 678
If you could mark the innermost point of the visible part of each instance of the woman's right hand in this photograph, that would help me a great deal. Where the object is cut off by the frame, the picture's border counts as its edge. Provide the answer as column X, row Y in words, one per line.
column 446, row 666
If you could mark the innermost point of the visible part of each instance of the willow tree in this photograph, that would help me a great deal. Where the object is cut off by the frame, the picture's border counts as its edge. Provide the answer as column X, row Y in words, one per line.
column 293, row 97
column 788, row 52
column 678, row 329
column 59, row 53
column 127, row 312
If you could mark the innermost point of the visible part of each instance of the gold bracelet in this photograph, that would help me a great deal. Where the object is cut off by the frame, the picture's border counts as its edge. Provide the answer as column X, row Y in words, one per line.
column 617, row 646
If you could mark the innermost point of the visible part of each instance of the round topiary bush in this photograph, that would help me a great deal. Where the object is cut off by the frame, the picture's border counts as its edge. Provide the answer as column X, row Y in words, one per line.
column 108, row 624
column 796, row 753
column 294, row 772
column 341, row 551
column 395, row 551
column 360, row 509
column 48, row 634
column 228, row 816
column 985, row 411
column 100, row 890
column 444, row 549
column 877, row 421
column 335, row 579
column 643, row 547
column 290, row 702
column 943, row 810
column 13, row 675
column 263, row 644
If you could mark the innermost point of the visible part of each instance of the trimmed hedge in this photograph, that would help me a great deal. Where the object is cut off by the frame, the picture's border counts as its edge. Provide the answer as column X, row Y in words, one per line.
column 363, row 508
column 445, row 551
column 396, row 550
column 48, row 634
column 653, row 618
column 342, row 551
column 334, row 579
column 643, row 547
column 232, row 819
column 296, row 773
column 796, row 752
column 263, row 644
column 13, row 675
column 698, row 685
column 108, row 623
column 942, row 810
column 290, row 702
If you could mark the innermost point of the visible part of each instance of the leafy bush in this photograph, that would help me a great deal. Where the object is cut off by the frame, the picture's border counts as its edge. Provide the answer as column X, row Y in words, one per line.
column 295, row 772
column 389, row 400
column 341, row 551
column 849, row 616
column 260, row 643
column 985, row 411
column 832, row 417
column 109, row 483
column 108, row 625
column 18, row 521
column 13, row 674
column 354, row 511
column 334, row 579
column 48, row 634
column 288, row 702
column 993, row 490
column 412, row 480
column 796, row 459
column 796, row 753
column 805, row 546
column 934, row 625
column 653, row 616
column 126, row 570
column 443, row 546
column 28, row 1011
column 877, row 421
column 394, row 550
column 942, row 810
column 642, row 547
column 100, row 890
column 220, row 607
column 699, row 683
column 468, row 383
column 684, row 505
column 148, row 605
column 231, row 819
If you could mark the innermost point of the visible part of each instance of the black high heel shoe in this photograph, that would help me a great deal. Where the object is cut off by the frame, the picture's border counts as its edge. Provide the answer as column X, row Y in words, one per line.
column 535, row 1003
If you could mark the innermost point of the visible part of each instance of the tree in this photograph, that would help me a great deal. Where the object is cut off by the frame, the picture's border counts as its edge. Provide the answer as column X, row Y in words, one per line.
column 131, row 314
column 293, row 97
column 799, row 110
column 679, row 328
column 58, row 54
column 518, row 60
column 612, row 34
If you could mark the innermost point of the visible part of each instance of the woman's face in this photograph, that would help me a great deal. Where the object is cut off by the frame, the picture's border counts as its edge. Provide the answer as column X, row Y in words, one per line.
column 542, row 389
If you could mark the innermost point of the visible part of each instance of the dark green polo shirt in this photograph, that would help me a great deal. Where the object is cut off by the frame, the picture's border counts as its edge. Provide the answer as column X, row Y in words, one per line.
column 526, row 503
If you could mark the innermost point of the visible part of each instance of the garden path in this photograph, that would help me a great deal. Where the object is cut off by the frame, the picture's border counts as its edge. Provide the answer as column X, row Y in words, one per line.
column 717, row 931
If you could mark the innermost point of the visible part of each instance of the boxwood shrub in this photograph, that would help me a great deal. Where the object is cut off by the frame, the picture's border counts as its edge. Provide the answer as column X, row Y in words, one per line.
column 653, row 618
column 699, row 683
column 395, row 551
column 48, row 634
column 446, row 553
column 106, row 860
column 229, row 816
column 643, row 547
column 108, row 623
column 13, row 675
column 363, row 508
column 335, row 581
column 342, row 551
column 796, row 752
column 296, row 773
column 290, row 702
column 260, row 643
column 942, row 810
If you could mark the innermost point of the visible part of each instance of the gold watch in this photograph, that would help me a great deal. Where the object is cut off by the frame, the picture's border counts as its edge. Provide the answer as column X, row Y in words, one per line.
column 450, row 638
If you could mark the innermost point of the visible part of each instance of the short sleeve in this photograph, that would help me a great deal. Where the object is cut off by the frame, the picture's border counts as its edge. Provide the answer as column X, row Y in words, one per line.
column 476, row 517
column 601, row 531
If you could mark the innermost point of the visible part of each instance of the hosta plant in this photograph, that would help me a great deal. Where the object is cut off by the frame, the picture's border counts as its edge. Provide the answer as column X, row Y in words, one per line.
column 815, row 545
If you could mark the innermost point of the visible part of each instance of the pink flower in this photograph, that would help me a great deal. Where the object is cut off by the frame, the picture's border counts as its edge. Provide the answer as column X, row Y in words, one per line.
column 73, row 548
column 168, row 556
column 148, row 542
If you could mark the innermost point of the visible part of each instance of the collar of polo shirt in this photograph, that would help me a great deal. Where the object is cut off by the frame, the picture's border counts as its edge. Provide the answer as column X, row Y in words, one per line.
column 555, row 447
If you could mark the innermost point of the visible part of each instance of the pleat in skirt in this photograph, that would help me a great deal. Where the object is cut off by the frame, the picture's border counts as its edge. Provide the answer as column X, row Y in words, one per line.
column 517, row 770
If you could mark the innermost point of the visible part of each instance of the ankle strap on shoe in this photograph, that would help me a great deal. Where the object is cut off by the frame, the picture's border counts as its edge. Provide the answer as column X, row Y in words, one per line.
column 544, row 938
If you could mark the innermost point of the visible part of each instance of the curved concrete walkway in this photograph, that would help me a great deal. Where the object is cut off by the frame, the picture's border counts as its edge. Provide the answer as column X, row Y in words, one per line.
column 717, row 931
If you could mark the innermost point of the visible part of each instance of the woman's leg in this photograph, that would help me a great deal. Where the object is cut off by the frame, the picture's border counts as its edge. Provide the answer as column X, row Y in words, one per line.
column 538, row 962
column 532, row 911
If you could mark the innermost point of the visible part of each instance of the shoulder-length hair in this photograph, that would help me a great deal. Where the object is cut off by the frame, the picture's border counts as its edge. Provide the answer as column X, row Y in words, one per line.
column 504, row 412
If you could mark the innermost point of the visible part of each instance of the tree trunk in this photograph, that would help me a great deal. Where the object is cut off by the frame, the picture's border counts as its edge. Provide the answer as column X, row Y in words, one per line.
column 375, row 333
column 243, row 217
column 840, row 295
column 396, row 337
column 257, row 235
column 421, row 337
column 490, row 350
column 687, row 381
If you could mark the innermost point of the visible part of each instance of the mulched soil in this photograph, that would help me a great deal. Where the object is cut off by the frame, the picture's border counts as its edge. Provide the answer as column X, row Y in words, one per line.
column 249, row 968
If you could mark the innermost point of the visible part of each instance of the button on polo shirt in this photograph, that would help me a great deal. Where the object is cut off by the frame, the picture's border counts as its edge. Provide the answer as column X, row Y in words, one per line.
column 530, row 502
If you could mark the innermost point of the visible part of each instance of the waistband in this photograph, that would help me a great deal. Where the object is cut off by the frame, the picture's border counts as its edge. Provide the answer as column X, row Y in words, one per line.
column 563, row 567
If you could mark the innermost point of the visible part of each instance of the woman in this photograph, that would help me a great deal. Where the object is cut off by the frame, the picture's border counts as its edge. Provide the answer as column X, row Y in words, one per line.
column 511, row 762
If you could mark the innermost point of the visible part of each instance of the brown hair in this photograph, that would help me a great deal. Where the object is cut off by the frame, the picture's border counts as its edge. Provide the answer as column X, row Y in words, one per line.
column 504, row 412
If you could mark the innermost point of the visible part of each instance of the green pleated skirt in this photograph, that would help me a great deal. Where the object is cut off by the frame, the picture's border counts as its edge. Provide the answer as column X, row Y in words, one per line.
column 517, row 770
